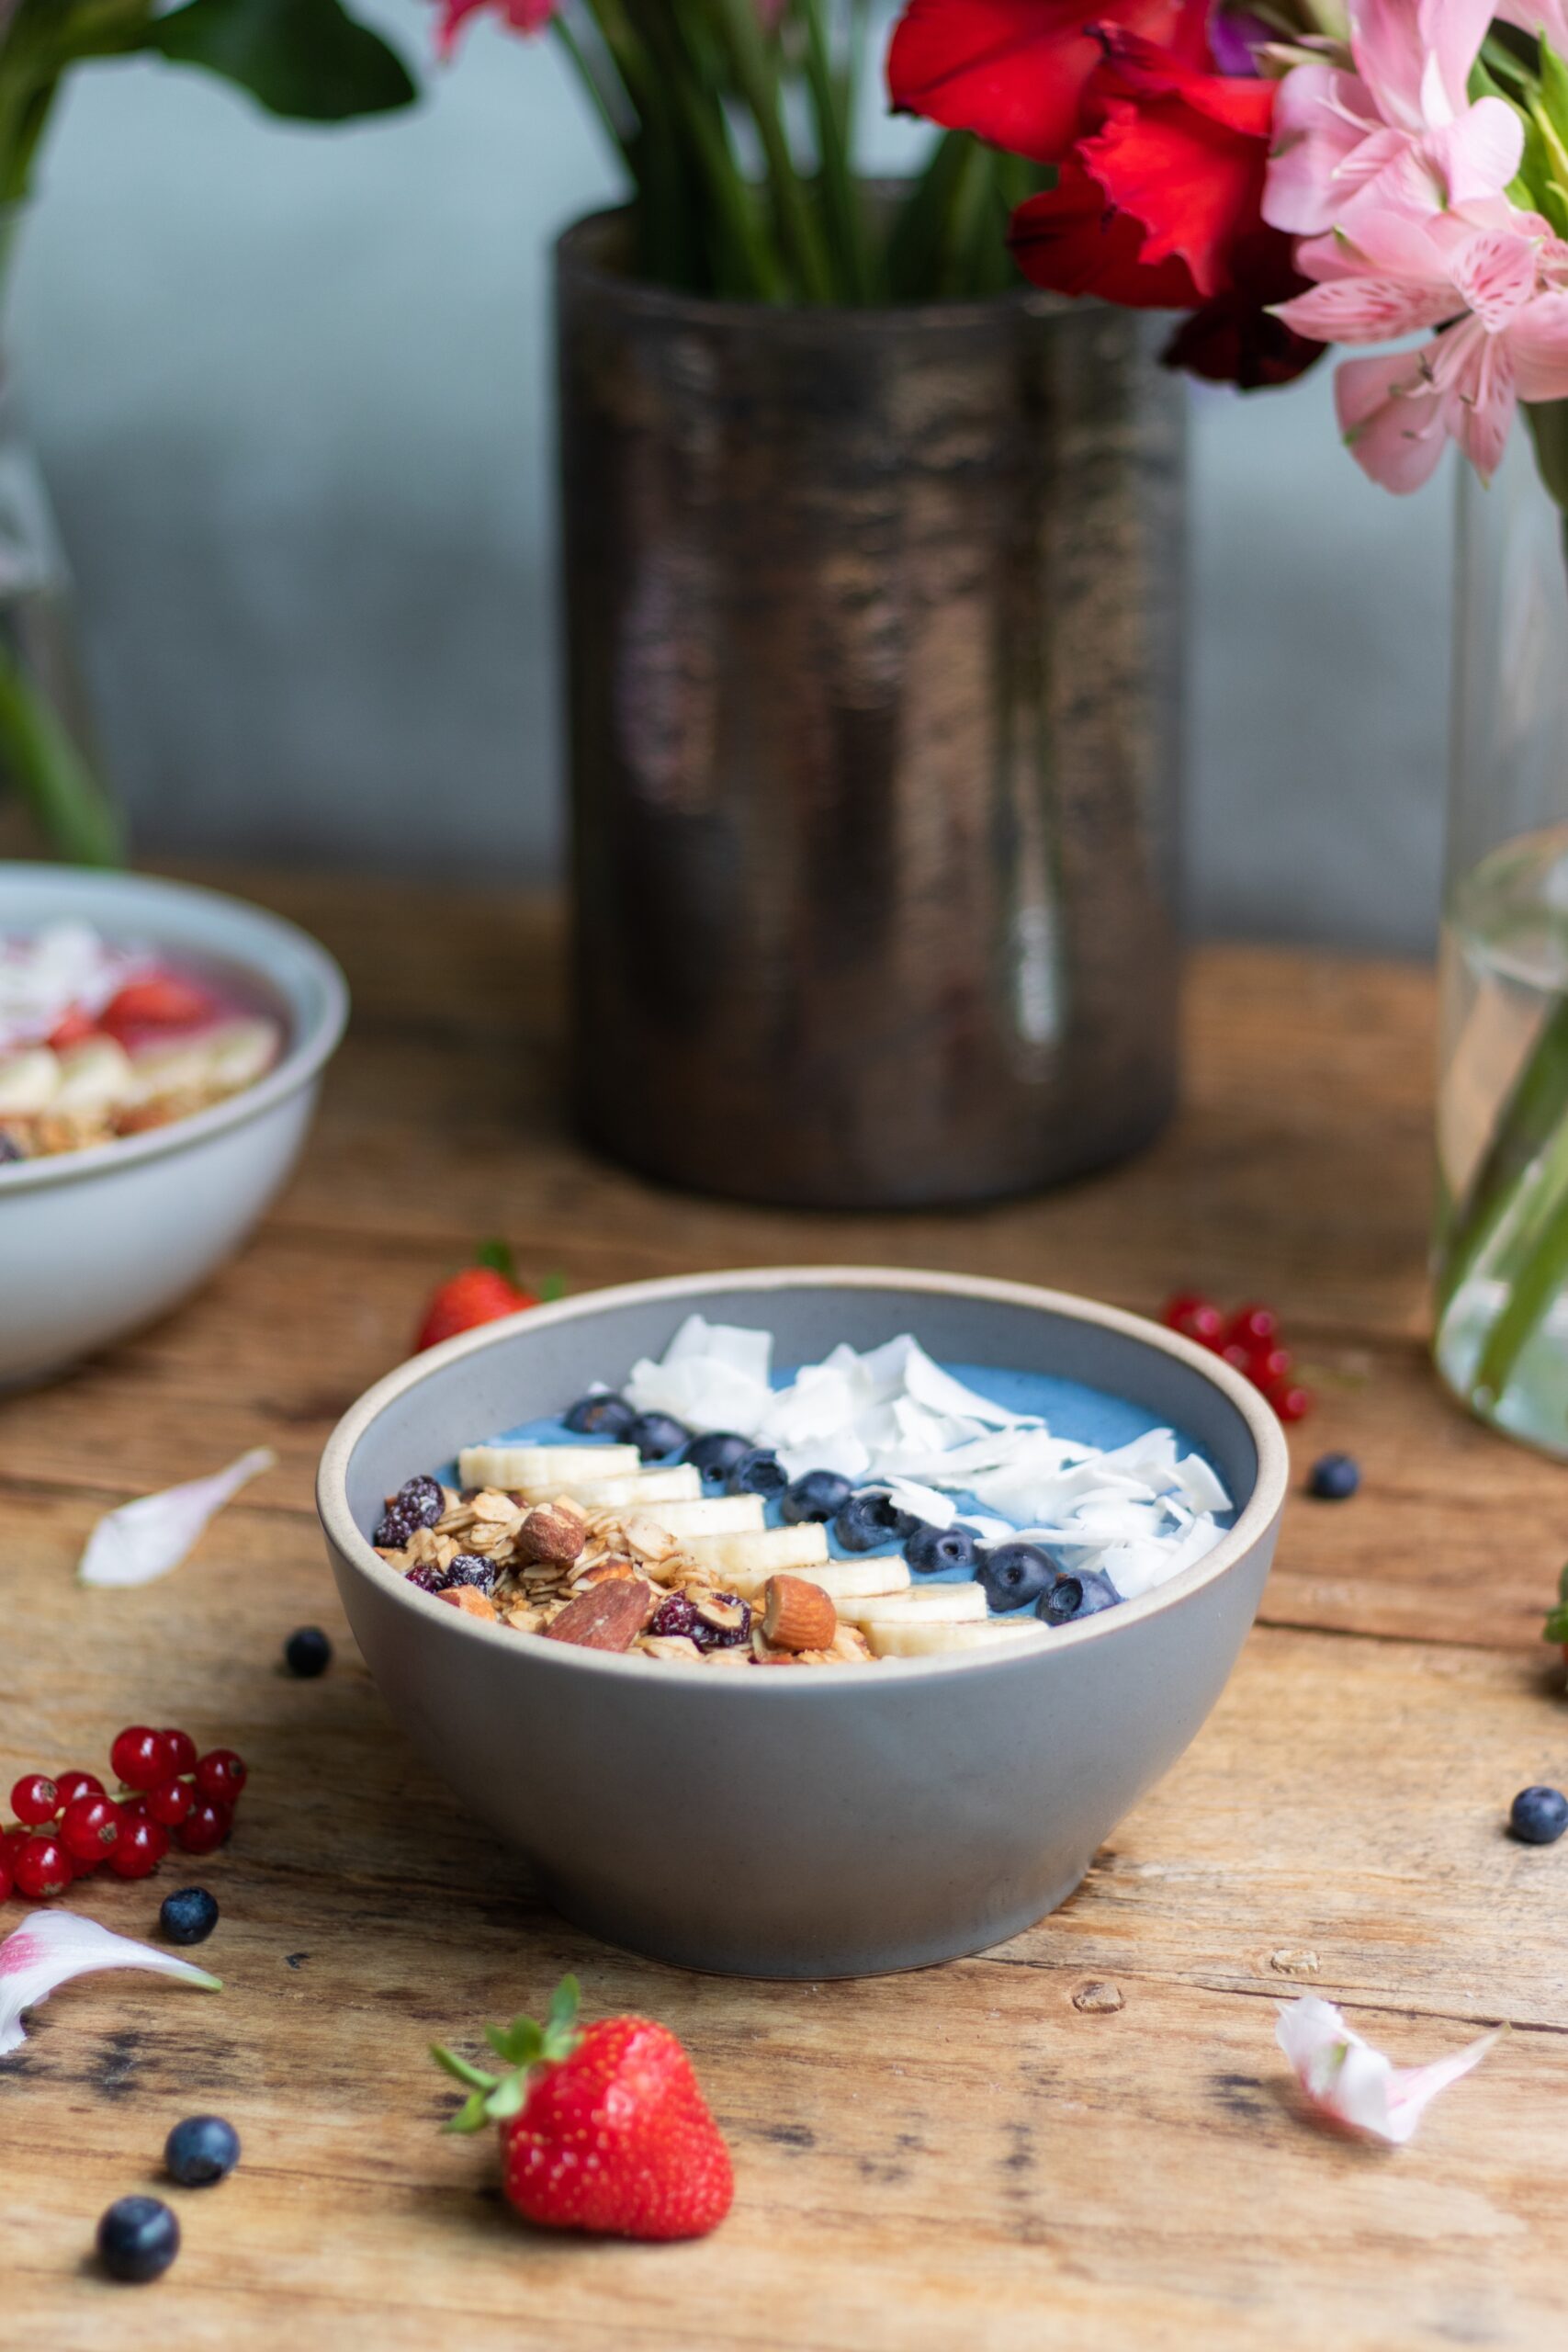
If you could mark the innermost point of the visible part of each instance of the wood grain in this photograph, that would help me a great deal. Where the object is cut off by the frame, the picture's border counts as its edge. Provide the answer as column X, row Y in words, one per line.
column 961, row 2157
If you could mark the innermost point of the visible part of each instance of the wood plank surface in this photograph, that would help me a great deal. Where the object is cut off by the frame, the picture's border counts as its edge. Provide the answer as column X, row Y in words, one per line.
column 958, row 2157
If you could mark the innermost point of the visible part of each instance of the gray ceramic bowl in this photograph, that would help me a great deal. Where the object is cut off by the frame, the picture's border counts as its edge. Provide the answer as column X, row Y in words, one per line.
column 834, row 1823
column 94, row 1243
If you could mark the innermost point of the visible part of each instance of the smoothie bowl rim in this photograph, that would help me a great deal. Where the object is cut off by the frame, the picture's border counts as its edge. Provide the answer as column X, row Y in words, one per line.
column 312, row 1035
column 1253, row 1520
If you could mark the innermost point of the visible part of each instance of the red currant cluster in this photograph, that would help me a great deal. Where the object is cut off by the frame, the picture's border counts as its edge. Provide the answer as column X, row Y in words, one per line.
column 67, row 1828
column 1250, row 1340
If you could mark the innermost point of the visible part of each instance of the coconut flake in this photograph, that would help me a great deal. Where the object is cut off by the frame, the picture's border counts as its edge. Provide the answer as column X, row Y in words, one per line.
column 1352, row 2084
column 145, row 1539
column 52, row 1947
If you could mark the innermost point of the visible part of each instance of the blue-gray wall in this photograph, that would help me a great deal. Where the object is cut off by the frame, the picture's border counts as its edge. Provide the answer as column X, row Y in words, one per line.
column 291, row 391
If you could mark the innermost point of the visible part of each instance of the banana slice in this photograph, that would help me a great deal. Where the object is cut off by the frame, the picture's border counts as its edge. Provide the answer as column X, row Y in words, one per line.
column 521, row 1467
column 28, row 1081
column 171, row 1070
column 95, row 1076
column 929, row 1604
column 746, row 1562
column 913, row 1637
column 850, row 1580
column 241, row 1052
column 682, row 1482
column 718, row 1515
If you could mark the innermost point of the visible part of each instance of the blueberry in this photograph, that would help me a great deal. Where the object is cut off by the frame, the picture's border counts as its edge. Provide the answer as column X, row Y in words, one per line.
column 307, row 1653
column 468, row 1568
column 716, row 1452
column 655, row 1434
column 9, row 1149
column 868, row 1520
column 1070, row 1597
column 422, row 1501
column 1016, row 1574
column 601, row 1415
column 1539, row 1816
column 758, row 1472
column 201, row 2150
column 1333, row 1478
column 138, row 2238
column 930, row 1550
column 819, row 1495
column 187, row 1916
column 393, row 1530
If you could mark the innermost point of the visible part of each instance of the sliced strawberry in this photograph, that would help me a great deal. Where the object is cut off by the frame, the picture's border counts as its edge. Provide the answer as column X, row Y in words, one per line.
column 75, row 1029
column 162, row 1000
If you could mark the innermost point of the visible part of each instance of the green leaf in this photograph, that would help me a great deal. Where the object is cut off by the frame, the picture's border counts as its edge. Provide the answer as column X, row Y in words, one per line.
column 564, row 2001
column 497, row 1255
column 306, row 59
column 1556, row 1628
column 472, row 2075
column 507, row 2098
column 1549, row 430
column 472, row 2116
column 519, row 2043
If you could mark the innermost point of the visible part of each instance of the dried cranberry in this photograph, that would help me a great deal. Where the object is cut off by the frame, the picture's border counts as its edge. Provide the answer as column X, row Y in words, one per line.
column 430, row 1579
column 676, row 1616
column 724, row 1637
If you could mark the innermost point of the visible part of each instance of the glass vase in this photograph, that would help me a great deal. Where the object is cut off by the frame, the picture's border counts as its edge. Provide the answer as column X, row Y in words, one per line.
column 53, row 800
column 1501, row 1245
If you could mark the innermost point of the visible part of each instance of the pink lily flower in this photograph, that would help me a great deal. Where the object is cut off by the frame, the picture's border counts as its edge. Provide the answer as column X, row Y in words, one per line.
column 1338, row 136
column 1498, row 287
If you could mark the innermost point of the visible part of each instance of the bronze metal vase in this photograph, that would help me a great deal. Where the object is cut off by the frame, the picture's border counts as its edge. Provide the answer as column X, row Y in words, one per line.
column 874, row 624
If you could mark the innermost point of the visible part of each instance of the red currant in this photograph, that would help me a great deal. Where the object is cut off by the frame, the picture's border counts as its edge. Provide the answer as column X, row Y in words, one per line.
column 1269, row 1366
column 141, row 1757
column 219, row 1773
column 1195, row 1317
column 43, row 1867
column 170, row 1801
column 5, row 1882
column 1236, row 1356
column 182, row 1751
column 35, row 1799
column 1255, row 1327
column 1291, row 1401
column 142, row 1848
column 72, row 1785
column 90, row 1828
column 11, row 1844
column 208, row 1827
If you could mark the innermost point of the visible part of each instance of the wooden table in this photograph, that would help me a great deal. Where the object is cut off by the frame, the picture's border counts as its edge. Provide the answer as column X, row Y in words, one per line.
column 964, row 2157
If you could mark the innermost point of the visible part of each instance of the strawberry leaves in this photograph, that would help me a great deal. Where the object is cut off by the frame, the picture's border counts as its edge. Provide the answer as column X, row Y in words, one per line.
column 523, row 2046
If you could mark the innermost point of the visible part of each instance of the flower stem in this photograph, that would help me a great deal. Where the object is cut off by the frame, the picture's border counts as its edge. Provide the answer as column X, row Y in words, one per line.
column 48, row 771
column 757, row 81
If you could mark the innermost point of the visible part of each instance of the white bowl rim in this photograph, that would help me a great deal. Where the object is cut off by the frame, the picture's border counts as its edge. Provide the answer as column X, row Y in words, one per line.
column 306, row 1054
column 1257, row 1516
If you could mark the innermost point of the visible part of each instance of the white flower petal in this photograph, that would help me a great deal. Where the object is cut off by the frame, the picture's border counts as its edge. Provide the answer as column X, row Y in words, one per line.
column 1357, row 2086
column 925, row 1503
column 145, row 1539
column 52, row 1947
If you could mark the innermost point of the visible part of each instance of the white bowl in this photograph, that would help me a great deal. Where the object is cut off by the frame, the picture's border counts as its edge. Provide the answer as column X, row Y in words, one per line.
column 94, row 1243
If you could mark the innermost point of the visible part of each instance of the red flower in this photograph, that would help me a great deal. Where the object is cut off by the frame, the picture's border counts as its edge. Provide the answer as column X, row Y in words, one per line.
column 522, row 16
column 1013, row 71
column 1158, row 208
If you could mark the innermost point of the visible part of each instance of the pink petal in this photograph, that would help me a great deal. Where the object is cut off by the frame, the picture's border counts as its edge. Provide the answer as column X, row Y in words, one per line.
column 52, row 1947
column 1390, row 50
column 1353, row 2085
column 1479, row 154
column 147, row 1538
column 1538, row 342
column 1390, row 416
column 1495, row 273
column 1481, row 404
column 1365, row 309
column 1321, row 118
column 1547, row 17
column 1453, row 31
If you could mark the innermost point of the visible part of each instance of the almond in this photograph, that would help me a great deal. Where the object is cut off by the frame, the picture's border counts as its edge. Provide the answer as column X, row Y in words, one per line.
column 798, row 1615
column 550, row 1534
column 471, row 1603
column 608, row 1616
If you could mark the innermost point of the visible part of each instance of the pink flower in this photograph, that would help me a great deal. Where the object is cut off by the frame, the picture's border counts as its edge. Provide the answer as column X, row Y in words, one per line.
column 522, row 16
column 1501, row 286
column 1404, row 114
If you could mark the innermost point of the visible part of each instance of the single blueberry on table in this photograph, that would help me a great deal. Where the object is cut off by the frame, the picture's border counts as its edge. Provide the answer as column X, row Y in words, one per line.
column 307, row 1652
column 187, row 1916
column 1070, row 1597
column 138, row 2238
column 201, row 2150
column 601, row 1415
column 758, row 1472
column 655, row 1435
column 716, row 1452
column 871, row 1520
column 1333, row 1478
column 1016, row 1574
column 821, row 1494
column 932, row 1550
column 1539, row 1816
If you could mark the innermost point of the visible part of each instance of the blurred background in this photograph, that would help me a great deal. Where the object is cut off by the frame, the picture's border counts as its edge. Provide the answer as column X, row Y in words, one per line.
column 291, row 394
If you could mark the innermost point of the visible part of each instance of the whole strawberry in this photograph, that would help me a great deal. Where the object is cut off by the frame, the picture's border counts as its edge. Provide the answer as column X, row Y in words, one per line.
column 603, row 2127
column 482, row 1292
